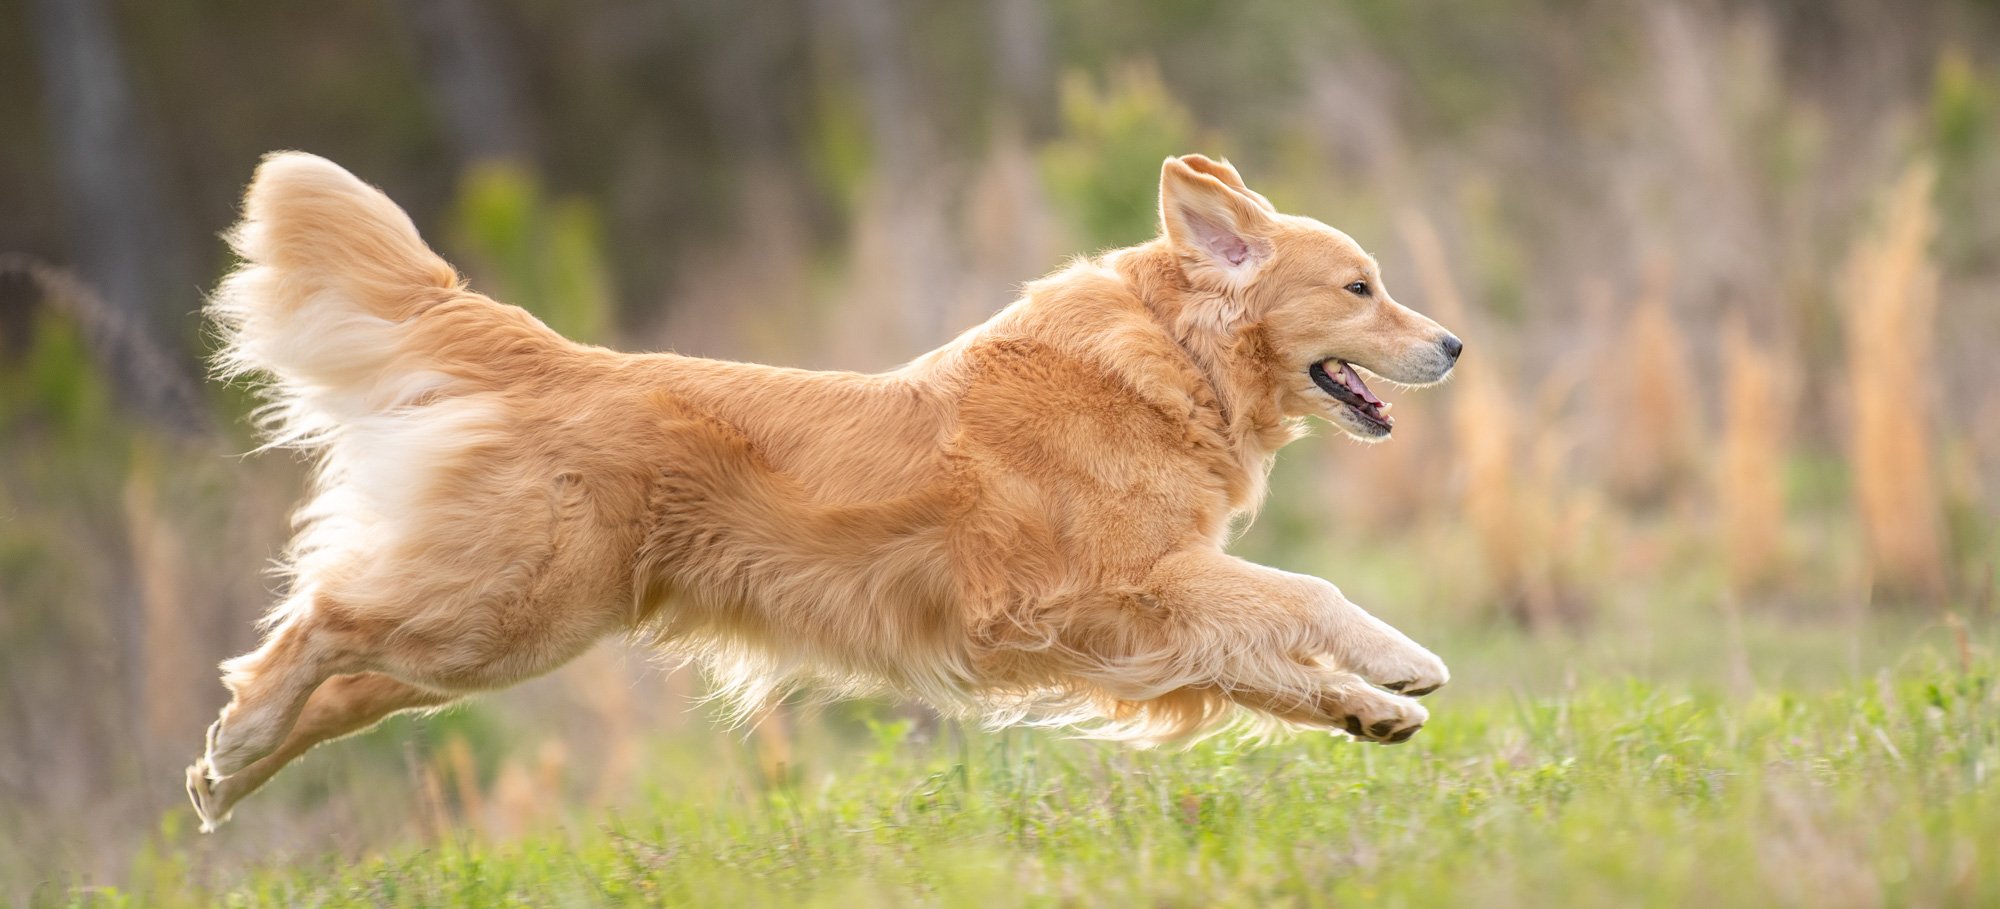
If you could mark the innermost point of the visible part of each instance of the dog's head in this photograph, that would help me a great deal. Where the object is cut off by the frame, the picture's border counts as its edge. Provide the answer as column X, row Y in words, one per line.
column 1317, row 295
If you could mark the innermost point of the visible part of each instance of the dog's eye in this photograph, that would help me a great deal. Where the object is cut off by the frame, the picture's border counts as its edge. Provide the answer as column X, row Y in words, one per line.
column 1358, row 288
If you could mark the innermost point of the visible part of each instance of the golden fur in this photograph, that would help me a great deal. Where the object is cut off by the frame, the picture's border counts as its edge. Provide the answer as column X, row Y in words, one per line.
column 1027, row 523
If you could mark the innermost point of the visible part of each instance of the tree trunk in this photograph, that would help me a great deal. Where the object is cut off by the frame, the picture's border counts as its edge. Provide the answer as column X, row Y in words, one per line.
column 469, row 83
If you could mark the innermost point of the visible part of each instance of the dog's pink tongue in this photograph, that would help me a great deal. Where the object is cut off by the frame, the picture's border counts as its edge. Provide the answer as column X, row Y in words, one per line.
column 1353, row 381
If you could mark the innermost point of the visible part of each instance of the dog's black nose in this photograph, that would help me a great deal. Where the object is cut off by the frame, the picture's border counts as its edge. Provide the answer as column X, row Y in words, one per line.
column 1452, row 345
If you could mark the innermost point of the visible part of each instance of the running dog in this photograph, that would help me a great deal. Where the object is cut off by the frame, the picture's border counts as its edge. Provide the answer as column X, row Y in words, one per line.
column 1027, row 523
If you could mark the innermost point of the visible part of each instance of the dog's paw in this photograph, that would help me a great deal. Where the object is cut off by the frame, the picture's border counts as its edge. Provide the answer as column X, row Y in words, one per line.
column 208, row 804
column 1411, row 671
column 230, row 746
column 1377, row 716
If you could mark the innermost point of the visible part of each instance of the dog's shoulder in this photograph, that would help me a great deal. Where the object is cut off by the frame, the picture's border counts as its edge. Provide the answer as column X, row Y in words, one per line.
column 1077, row 381
column 1088, row 318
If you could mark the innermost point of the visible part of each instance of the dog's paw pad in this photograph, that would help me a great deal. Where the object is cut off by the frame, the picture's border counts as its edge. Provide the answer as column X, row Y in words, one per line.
column 1402, row 736
column 1403, row 688
column 1394, row 721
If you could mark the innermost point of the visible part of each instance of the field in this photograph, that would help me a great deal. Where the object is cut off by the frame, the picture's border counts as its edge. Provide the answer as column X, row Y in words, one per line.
column 1823, row 764
column 1706, row 521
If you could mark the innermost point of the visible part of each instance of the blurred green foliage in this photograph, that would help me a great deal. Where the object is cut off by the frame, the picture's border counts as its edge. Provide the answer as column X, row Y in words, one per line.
column 55, row 388
column 839, row 154
column 1104, row 169
column 540, row 254
column 67, row 451
column 1965, row 137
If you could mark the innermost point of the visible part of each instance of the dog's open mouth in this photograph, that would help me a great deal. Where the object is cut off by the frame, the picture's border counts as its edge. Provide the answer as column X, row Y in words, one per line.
column 1344, row 385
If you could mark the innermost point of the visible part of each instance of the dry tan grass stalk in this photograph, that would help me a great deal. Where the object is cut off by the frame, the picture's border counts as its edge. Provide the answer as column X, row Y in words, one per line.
column 774, row 745
column 1655, row 410
column 524, row 799
column 1891, row 287
column 1750, row 483
column 464, row 773
column 1513, row 505
column 160, row 562
column 1569, row 521
column 1482, row 424
column 1388, row 489
column 516, row 801
column 1441, row 297
column 429, row 814
column 1962, row 493
column 601, row 681
column 1482, row 419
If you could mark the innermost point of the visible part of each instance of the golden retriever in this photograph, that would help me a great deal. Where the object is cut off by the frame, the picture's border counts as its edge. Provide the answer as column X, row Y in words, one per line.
column 1027, row 523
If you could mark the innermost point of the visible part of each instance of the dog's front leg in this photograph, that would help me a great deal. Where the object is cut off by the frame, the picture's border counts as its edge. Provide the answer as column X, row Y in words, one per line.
column 1203, row 625
column 1375, row 650
column 1331, row 628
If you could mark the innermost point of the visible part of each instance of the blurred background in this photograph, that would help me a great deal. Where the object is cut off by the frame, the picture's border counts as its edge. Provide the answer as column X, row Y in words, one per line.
column 1728, row 272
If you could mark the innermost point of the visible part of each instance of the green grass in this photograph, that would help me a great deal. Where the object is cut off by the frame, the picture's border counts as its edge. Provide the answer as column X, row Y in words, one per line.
column 1870, row 791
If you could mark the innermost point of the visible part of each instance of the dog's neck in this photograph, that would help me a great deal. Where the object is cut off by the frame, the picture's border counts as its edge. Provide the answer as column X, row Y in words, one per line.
column 1223, row 342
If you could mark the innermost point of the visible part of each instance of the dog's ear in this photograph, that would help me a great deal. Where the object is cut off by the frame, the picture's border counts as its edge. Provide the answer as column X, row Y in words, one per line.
column 1221, row 169
column 1218, row 224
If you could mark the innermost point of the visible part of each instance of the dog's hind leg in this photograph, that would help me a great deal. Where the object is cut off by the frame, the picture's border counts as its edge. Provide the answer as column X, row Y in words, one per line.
column 331, row 671
column 341, row 706
column 272, row 684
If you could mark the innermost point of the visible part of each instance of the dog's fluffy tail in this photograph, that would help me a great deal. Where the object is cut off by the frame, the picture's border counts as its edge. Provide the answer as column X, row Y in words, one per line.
column 332, row 273
column 371, row 354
